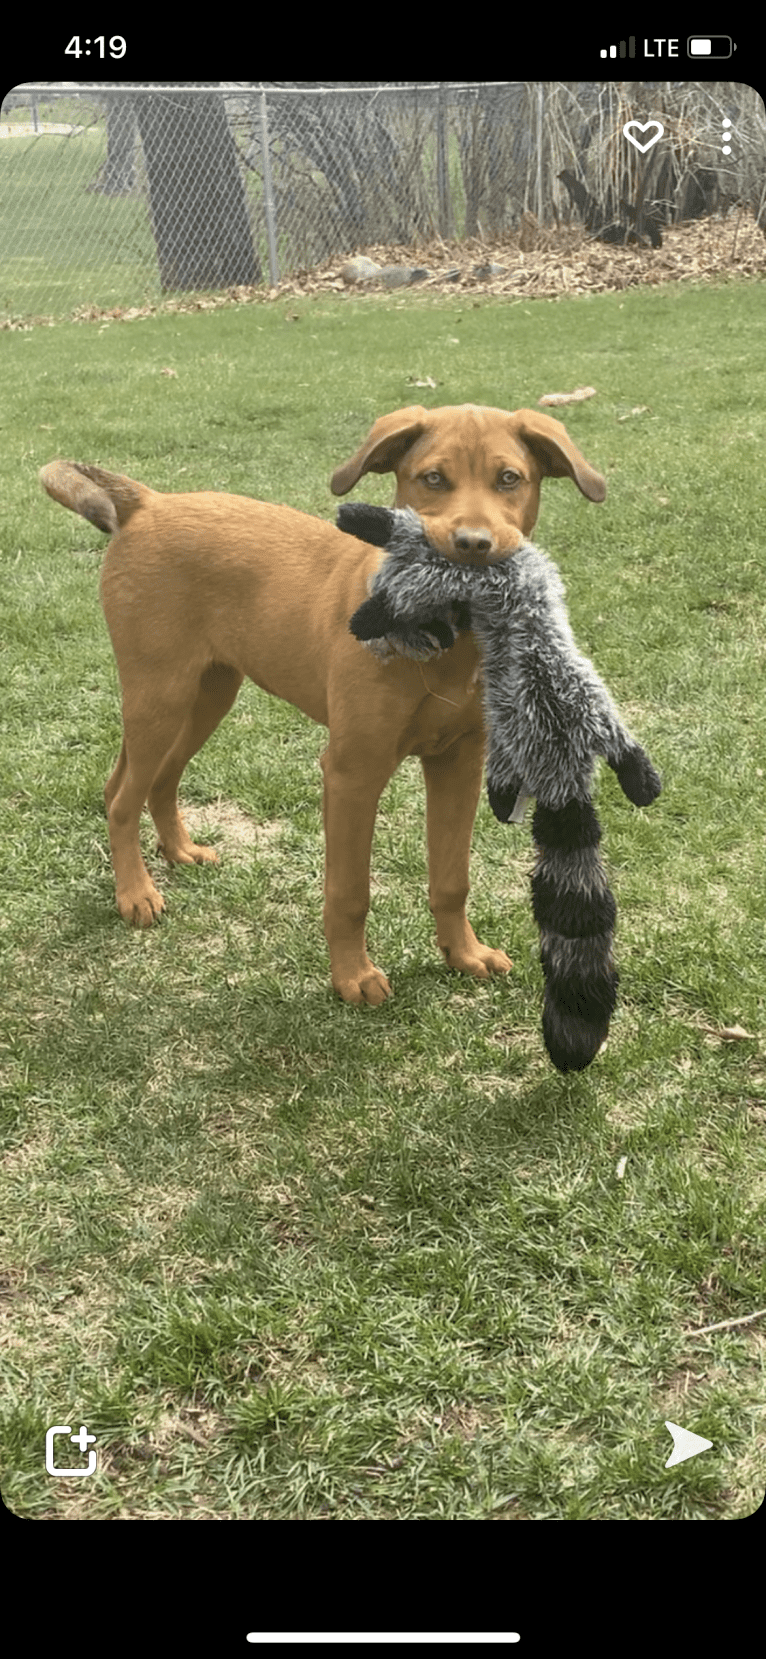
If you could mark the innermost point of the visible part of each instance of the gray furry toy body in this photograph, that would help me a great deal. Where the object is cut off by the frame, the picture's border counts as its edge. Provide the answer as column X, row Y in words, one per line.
column 548, row 716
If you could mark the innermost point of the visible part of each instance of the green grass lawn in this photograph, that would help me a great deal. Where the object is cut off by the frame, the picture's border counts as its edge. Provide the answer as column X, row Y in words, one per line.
column 287, row 1258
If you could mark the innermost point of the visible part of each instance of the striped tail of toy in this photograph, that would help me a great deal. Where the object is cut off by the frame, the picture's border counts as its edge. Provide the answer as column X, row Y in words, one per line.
column 575, row 912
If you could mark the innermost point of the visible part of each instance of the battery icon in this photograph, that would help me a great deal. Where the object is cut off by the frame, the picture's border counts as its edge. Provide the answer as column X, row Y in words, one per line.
column 710, row 46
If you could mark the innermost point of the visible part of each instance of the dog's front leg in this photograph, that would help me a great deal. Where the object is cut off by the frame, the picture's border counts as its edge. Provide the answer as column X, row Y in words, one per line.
column 351, row 794
column 453, row 786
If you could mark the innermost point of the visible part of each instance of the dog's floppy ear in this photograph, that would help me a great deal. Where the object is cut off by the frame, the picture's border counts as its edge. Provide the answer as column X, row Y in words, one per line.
column 555, row 453
column 382, row 448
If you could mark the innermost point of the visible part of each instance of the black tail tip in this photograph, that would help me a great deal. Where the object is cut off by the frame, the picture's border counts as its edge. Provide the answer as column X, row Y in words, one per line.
column 572, row 1043
column 575, row 1029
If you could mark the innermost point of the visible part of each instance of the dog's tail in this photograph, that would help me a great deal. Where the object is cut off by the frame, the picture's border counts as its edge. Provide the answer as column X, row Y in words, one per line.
column 105, row 498
column 575, row 912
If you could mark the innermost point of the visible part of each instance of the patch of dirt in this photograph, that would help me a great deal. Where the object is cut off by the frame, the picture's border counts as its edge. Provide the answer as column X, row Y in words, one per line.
column 239, row 832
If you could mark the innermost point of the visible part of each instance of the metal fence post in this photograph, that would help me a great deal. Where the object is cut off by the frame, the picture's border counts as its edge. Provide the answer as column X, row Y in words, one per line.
column 268, row 194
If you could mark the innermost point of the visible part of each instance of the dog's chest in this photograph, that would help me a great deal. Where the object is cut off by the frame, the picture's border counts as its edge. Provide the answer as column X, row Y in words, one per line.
column 452, row 703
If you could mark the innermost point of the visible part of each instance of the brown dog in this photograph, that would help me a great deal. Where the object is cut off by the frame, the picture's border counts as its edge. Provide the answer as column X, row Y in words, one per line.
column 200, row 590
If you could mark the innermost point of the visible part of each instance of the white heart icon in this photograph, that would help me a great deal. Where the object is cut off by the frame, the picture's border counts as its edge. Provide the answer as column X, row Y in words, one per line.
column 643, row 126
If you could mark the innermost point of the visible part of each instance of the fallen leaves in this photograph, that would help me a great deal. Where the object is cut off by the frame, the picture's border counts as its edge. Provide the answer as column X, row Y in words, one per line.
column 564, row 261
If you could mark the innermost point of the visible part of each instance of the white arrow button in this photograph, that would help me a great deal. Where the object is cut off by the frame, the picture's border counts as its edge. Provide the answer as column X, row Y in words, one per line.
column 685, row 1444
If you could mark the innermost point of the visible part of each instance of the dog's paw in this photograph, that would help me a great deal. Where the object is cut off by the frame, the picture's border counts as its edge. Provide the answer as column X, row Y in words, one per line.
column 482, row 962
column 140, row 907
column 364, row 985
column 187, row 853
column 466, row 954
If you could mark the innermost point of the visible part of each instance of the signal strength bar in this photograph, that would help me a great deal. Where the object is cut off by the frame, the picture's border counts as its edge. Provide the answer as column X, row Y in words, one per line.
column 624, row 51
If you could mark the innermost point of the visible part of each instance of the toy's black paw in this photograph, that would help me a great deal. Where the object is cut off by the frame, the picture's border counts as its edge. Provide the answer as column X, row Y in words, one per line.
column 503, row 801
column 638, row 778
column 374, row 618
column 370, row 524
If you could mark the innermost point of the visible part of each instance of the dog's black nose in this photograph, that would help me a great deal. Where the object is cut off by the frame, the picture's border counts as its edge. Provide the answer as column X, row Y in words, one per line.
column 472, row 545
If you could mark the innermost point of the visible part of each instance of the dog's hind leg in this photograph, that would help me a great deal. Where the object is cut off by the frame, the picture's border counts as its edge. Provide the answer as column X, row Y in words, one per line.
column 156, row 738
column 218, row 689
column 138, row 900
column 113, row 783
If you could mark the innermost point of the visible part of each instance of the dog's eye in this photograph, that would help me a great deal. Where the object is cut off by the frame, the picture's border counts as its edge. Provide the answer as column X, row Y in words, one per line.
column 433, row 479
column 509, row 479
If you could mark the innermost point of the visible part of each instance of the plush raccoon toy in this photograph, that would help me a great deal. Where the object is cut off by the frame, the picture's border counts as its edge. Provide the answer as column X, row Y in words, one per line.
column 548, row 716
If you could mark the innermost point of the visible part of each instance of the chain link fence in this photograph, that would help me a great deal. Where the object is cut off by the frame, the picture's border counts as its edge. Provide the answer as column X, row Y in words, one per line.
column 113, row 196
